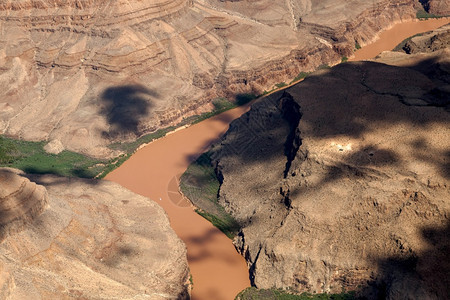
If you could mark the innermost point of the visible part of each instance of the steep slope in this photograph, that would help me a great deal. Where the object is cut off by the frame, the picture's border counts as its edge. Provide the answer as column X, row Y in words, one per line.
column 437, row 7
column 341, row 182
column 94, row 240
column 86, row 74
column 21, row 201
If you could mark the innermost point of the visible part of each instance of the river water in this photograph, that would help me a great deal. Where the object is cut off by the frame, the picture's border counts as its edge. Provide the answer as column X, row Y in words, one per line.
column 218, row 271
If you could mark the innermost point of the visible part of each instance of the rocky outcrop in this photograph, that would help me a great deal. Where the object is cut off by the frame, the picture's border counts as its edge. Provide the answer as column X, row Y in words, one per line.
column 439, row 7
column 430, row 42
column 95, row 240
column 90, row 73
column 21, row 201
column 363, row 204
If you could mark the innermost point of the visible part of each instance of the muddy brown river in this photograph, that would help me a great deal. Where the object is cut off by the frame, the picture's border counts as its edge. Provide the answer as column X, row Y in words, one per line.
column 218, row 271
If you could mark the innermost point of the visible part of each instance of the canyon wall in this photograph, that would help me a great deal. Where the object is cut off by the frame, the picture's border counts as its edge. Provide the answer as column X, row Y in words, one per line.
column 438, row 7
column 341, row 181
column 85, row 74
column 85, row 239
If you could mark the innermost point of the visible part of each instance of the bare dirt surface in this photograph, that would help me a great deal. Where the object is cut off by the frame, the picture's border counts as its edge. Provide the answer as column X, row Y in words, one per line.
column 346, row 187
column 85, row 239
column 91, row 73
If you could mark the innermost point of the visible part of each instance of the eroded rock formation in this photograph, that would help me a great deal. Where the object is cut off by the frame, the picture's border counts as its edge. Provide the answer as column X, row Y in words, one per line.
column 438, row 7
column 89, row 73
column 430, row 42
column 95, row 240
column 21, row 201
column 350, row 192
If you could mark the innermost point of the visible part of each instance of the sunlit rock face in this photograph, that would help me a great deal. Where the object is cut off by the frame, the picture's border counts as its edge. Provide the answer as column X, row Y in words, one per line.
column 85, row 239
column 90, row 73
column 341, row 181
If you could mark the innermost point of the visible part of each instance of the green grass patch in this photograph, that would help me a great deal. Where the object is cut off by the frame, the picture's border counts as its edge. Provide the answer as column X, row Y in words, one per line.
column 357, row 46
column 200, row 184
column 423, row 15
column 132, row 146
column 220, row 105
column 32, row 158
column 253, row 293
column 300, row 76
column 224, row 223
column 323, row 67
column 280, row 85
column 344, row 59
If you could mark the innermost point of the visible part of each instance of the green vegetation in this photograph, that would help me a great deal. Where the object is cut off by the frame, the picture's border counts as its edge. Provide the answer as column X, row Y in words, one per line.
column 32, row 158
column 132, row 146
column 199, row 183
column 280, row 85
column 344, row 59
column 253, row 293
column 300, row 76
column 191, row 281
column 220, row 105
column 357, row 46
column 423, row 15
column 323, row 67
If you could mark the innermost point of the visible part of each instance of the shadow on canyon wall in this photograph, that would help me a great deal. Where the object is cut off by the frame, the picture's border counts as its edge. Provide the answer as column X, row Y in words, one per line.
column 418, row 275
column 124, row 106
column 348, row 102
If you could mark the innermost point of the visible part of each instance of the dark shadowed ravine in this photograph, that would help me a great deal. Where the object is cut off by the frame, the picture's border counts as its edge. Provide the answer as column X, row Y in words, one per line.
column 218, row 271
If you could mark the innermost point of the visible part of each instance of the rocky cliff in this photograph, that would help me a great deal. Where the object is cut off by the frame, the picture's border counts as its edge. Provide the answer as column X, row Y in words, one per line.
column 341, row 181
column 429, row 42
column 438, row 7
column 94, row 240
column 21, row 201
column 84, row 74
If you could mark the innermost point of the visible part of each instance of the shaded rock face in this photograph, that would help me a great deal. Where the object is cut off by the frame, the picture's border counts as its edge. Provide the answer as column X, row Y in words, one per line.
column 90, row 73
column 95, row 240
column 438, row 7
column 364, row 204
column 21, row 201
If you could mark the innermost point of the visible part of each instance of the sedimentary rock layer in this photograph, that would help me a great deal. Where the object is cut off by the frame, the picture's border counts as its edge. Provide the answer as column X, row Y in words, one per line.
column 95, row 240
column 429, row 42
column 341, row 182
column 438, row 7
column 85, row 74
column 21, row 201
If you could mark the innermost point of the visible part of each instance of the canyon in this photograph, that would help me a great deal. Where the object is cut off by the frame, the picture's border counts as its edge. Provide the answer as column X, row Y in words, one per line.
column 83, row 75
column 84, row 239
column 345, row 188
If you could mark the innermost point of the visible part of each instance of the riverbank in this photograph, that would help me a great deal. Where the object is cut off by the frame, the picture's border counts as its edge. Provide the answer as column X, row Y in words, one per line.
column 218, row 271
